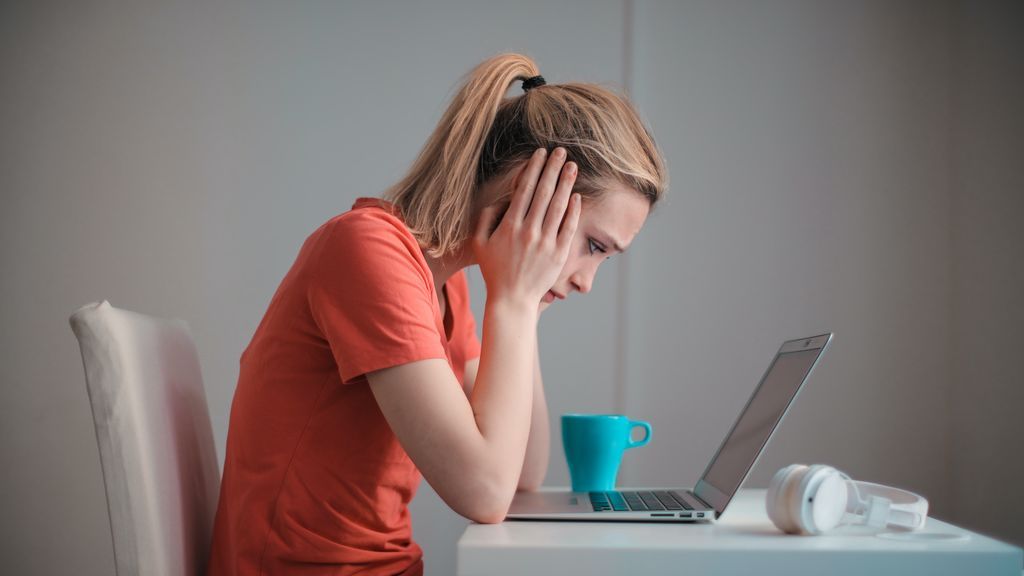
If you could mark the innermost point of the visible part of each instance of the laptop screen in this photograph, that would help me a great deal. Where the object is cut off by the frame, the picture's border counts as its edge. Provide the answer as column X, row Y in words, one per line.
column 765, row 409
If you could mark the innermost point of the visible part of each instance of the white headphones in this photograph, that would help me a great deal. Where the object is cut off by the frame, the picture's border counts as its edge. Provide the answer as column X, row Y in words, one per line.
column 813, row 499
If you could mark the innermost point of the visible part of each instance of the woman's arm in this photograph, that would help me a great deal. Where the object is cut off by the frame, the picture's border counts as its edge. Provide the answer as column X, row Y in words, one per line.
column 472, row 452
column 538, row 447
column 469, row 375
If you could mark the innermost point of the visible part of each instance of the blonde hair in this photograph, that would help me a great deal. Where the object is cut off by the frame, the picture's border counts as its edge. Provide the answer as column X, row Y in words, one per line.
column 483, row 134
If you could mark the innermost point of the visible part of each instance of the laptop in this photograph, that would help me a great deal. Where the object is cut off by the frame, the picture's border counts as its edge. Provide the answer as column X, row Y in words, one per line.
column 723, row 476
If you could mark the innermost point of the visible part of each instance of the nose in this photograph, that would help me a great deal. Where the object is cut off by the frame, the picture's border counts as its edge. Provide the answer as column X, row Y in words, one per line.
column 582, row 280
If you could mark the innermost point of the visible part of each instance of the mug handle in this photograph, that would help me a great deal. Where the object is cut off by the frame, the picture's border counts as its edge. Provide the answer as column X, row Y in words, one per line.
column 647, row 437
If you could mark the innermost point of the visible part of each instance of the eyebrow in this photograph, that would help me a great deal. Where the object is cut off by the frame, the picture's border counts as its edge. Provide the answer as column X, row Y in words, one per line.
column 613, row 243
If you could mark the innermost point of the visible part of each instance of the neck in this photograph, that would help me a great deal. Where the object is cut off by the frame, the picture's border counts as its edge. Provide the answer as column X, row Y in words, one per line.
column 444, row 268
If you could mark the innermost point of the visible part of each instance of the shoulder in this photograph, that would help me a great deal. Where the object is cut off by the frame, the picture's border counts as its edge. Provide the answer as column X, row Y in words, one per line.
column 369, row 217
column 371, row 232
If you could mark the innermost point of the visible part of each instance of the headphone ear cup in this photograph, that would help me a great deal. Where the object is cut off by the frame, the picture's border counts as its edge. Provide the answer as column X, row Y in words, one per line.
column 780, row 492
column 833, row 496
column 796, row 496
column 772, row 496
column 822, row 499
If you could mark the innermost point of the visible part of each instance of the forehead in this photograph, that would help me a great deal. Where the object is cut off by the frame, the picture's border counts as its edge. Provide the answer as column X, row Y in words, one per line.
column 619, row 211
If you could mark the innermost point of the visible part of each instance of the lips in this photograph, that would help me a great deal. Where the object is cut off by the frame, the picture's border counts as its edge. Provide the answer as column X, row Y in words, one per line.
column 551, row 295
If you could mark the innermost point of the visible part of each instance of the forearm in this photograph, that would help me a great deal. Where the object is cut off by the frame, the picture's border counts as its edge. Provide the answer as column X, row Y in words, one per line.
column 538, row 448
column 502, row 396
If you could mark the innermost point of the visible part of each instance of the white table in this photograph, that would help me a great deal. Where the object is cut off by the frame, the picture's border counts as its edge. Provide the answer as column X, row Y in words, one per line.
column 743, row 542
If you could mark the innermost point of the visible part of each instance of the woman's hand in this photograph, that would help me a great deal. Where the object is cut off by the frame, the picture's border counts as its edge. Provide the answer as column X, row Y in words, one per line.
column 523, row 256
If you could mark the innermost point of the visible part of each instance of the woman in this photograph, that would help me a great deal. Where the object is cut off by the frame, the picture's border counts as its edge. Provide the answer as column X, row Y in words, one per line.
column 366, row 371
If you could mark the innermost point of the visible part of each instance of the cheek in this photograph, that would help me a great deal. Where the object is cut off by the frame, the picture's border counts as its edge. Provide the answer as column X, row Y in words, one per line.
column 578, row 257
column 571, row 264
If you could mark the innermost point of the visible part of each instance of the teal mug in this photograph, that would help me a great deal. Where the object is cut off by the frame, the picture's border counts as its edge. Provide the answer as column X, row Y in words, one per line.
column 594, row 444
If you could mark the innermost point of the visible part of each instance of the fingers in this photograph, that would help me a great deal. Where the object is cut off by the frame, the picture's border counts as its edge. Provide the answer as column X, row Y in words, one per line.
column 527, row 182
column 560, row 200
column 545, row 189
column 570, row 222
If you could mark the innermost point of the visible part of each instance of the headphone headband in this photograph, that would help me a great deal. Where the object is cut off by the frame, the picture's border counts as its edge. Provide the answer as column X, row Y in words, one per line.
column 904, row 509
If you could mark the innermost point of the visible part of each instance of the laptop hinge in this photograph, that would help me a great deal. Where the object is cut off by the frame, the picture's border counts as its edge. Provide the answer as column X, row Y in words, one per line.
column 701, row 500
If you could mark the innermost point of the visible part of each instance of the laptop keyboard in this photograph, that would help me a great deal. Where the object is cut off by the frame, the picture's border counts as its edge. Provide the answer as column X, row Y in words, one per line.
column 639, row 500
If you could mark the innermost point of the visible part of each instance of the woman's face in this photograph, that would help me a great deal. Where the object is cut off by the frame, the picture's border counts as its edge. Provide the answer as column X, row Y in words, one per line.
column 607, row 227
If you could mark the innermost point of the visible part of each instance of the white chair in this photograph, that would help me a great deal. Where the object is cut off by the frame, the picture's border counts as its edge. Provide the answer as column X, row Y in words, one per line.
column 156, row 443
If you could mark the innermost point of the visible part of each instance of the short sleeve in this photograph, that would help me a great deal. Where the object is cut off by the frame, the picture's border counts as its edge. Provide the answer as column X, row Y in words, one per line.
column 371, row 295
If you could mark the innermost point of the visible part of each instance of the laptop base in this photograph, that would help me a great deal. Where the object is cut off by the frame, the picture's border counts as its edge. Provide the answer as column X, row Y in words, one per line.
column 626, row 505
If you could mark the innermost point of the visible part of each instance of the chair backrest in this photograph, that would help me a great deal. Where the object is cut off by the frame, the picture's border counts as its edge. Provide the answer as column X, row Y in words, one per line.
column 156, row 443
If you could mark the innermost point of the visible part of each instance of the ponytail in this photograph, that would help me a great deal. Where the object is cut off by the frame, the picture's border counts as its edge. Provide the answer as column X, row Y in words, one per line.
column 436, row 197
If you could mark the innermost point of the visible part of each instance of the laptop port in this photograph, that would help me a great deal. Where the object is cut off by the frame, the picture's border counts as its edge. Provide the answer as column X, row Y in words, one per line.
column 700, row 514
column 662, row 514
column 686, row 515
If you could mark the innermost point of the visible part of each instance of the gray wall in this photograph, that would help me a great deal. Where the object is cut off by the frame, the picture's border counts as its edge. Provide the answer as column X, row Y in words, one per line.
column 809, row 147
column 987, row 130
column 844, row 166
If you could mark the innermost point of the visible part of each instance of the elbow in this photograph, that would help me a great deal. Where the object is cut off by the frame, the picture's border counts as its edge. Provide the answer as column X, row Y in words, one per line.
column 491, row 504
column 492, row 513
column 494, row 509
column 490, row 517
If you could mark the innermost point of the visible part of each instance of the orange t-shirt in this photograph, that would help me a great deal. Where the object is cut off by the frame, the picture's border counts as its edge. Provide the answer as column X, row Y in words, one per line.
column 315, row 481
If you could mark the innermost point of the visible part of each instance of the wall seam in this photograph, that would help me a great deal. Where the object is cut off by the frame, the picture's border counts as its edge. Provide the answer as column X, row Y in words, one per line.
column 622, row 278
column 621, row 297
column 953, row 368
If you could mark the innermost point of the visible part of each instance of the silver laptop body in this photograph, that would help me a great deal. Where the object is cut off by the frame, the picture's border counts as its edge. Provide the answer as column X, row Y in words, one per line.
column 723, row 476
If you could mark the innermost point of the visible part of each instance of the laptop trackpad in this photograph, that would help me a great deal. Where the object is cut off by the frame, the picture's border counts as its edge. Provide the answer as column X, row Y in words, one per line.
column 548, row 502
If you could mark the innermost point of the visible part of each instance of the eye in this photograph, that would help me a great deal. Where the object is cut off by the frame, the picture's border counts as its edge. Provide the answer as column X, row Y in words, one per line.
column 594, row 246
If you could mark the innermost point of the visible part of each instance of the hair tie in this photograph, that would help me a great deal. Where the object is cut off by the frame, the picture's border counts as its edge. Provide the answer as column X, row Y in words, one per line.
column 533, row 83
